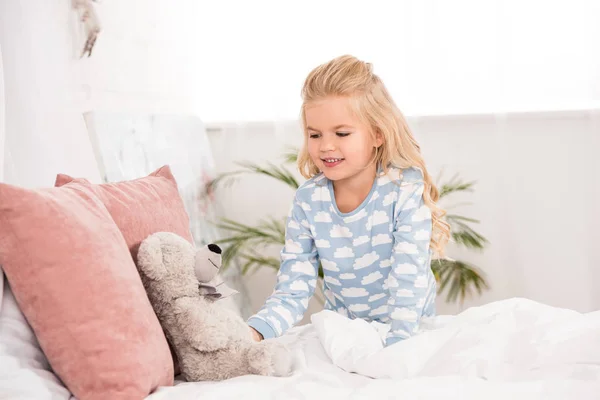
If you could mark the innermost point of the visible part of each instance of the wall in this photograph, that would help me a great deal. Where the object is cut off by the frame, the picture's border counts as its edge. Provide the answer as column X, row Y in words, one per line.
column 45, row 134
column 536, row 196
column 135, row 66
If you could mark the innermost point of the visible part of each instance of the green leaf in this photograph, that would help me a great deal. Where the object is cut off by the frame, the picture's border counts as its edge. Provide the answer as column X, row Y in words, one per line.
column 458, row 278
column 280, row 173
column 455, row 185
column 291, row 155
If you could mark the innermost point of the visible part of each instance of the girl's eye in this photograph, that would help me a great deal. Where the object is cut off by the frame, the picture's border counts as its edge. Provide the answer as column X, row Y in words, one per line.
column 313, row 135
column 342, row 134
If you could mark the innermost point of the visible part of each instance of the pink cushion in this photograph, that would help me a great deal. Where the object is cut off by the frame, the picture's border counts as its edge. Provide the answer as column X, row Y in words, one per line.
column 141, row 207
column 73, row 277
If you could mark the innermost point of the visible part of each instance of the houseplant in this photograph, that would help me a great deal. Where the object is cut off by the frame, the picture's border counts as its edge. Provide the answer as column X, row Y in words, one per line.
column 247, row 243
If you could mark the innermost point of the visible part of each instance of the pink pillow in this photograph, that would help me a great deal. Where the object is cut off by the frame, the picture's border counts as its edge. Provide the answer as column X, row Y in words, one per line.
column 141, row 207
column 73, row 277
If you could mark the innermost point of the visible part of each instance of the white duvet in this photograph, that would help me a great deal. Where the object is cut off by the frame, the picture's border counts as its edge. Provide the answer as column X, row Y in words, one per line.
column 513, row 349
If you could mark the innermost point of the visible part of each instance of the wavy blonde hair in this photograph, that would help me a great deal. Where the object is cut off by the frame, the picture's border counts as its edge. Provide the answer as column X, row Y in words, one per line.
column 347, row 76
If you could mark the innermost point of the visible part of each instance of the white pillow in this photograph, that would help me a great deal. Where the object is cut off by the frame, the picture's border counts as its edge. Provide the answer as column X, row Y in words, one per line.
column 24, row 370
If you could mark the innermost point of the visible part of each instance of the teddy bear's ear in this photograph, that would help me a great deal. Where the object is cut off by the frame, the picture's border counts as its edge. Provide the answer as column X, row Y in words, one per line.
column 150, row 259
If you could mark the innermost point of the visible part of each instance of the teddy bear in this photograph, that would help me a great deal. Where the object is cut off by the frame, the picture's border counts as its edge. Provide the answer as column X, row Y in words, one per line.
column 210, row 341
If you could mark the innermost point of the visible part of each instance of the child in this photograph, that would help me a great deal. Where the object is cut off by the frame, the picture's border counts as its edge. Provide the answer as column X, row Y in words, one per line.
column 367, row 213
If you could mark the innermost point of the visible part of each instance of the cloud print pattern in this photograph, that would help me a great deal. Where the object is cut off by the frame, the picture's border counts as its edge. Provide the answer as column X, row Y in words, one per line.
column 376, row 259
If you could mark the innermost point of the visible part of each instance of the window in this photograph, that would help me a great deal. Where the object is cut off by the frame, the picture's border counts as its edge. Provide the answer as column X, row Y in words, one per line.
column 436, row 57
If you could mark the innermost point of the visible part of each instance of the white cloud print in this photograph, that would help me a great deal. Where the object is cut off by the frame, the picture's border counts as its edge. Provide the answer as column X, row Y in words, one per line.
column 379, row 310
column 381, row 239
column 374, row 197
column 360, row 240
column 422, row 214
column 379, row 217
column 304, row 267
column 347, row 276
column 358, row 216
column 322, row 216
column 404, row 228
column 421, row 281
column 321, row 193
column 422, row 234
column 299, row 286
column 405, row 269
column 405, row 293
column 372, row 277
column 283, row 278
column 305, row 223
column 332, row 281
column 322, row 243
column 293, row 247
column 293, row 225
column 366, row 260
column 329, row 265
column 390, row 282
column 410, row 204
column 392, row 175
column 406, row 248
column 344, row 252
column 376, row 297
column 284, row 313
column 354, row 292
column 385, row 263
column 276, row 324
column 339, row 231
column 305, row 206
column 404, row 314
column 358, row 307
column 390, row 198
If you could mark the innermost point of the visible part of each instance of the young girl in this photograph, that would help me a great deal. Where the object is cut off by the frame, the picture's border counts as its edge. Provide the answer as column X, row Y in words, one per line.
column 367, row 213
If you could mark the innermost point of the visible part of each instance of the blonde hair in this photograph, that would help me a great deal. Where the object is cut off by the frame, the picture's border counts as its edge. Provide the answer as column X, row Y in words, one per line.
column 349, row 77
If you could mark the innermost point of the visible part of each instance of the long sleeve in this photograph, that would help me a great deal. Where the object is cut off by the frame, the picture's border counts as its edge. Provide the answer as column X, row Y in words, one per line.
column 296, row 279
column 410, row 281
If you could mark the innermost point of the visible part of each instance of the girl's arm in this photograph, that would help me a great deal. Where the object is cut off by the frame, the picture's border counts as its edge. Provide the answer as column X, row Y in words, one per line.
column 296, row 279
column 408, row 282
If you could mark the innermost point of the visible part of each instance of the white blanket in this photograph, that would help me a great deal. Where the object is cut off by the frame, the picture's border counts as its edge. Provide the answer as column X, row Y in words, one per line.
column 514, row 350
column 511, row 340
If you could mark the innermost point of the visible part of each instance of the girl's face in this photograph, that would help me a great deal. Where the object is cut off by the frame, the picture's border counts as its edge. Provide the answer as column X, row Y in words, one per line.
column 339, row 144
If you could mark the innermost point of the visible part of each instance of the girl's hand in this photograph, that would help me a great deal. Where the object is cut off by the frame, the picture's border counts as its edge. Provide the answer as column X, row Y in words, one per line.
column 256, row 336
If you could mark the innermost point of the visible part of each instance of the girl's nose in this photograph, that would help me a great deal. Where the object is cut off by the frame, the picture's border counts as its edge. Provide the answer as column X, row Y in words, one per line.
column 327, row 144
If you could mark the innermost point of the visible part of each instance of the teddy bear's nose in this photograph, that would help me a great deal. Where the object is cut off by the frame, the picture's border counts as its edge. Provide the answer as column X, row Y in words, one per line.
column 214, row 248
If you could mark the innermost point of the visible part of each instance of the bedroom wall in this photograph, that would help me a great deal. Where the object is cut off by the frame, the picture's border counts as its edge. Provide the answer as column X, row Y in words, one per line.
column 141, row 66
column 44, row 133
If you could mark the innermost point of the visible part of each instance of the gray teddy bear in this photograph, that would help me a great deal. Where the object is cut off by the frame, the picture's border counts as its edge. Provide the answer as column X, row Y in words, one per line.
column 210, row 341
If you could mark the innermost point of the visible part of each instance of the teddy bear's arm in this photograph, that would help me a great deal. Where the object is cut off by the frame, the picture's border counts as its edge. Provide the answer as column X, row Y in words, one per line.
column 199, row 326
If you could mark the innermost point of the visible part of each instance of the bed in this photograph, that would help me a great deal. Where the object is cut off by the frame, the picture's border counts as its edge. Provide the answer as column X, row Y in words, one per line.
column 512, row 349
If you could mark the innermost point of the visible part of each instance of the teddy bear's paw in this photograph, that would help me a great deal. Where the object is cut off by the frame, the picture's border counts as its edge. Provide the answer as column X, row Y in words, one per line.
column 270, row 358
column 281, row 360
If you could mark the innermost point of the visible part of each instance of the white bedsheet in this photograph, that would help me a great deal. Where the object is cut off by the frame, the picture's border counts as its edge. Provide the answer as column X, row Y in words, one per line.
column 514, row 349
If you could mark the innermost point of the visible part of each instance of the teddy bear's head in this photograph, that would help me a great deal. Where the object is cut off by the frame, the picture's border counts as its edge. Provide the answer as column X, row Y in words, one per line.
column 177, row 267
column 168, row 261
